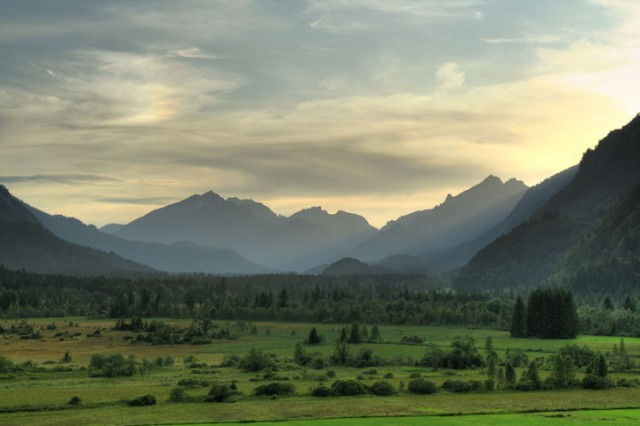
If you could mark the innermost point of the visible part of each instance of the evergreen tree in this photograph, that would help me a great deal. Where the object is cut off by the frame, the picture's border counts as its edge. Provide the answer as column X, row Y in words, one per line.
column 375, row 333
column 563, row 373
column 532, row 375
column 300, row 356
column 551, row 314
column 510, row 375
column 283, row 299
column 519, row 319
column 354, row 336
column 501, row 379
column 340, row 353
column 492, row 358
column 343, row 335
column 601, row 367
column 314, row 338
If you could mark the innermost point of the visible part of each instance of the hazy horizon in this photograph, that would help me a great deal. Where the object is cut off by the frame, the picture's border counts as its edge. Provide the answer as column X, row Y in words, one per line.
column 380, row 107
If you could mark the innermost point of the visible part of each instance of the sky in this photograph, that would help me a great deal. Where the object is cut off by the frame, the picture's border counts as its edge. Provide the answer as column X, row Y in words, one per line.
column 110, row 109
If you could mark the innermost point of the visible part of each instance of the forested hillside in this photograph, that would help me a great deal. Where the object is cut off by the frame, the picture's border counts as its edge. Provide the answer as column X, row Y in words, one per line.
column 531, row 252
column 607, row 259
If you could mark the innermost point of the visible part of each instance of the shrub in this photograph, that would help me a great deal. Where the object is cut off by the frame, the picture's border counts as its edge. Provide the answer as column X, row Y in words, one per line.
column 230, row 361
column 591, row 381
column 421, row 386
column 525, row 385
column 220, row 392
column 114, row 365
column 382, row 389
column 388, row 376
column 75, row 401
column 177, row 394
column 457, row 386
column 489, row 384
column 321, row 392
column 415, row 375
column 280, row 389
column 347, row 388
column 143, row 400
column 255, row 360
column 414, row 340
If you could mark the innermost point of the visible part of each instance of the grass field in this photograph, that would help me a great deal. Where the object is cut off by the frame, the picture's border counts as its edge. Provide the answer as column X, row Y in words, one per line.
column 41, row 396
column 610, row 417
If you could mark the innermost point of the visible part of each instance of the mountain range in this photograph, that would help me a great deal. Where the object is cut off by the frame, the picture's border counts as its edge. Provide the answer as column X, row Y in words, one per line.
column 494, row 235
column 26, row 244
column 536, row 250
column 457, row 220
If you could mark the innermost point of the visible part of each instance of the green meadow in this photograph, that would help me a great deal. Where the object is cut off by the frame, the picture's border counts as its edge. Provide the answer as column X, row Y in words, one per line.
column 41, row 394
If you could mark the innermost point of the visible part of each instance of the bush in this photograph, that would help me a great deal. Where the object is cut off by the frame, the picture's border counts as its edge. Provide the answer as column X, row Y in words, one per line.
column 220, row 392
column 413, row 340
column 255, row 361
column 382, row 389
column 270, row 389
column 457, row 386
column 114, row 365
column 143, row 400
column 489, row 384
column 75, row 401
column 347, row 388
column 421, row 386
column 591, row 381
column 177, row 394
column 321, row 392
column 525, row 386
column 415, row 375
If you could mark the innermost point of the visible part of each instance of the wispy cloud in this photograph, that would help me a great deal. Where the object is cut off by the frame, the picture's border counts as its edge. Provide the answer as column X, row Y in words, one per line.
column 71, row 178
column 450, row 76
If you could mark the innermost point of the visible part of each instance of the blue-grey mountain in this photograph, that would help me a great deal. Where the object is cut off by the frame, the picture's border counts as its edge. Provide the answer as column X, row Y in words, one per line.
column 457, row 220
column 305, row 239
column 26, row 244
column 177, row 257
column 441, row 261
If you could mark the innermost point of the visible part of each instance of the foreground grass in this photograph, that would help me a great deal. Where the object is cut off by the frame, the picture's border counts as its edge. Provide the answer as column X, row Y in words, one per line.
column 610, row 417
column 441, row 404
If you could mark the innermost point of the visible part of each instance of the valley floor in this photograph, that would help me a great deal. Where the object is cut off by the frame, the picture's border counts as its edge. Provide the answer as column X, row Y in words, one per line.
column 40, row 395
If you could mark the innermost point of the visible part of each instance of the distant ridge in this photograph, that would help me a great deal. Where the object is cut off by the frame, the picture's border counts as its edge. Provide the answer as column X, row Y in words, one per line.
column 26, row 244
column 441, row 261
column 532, row 251
column 307, row 238
column 457, row 220
column 177, row 257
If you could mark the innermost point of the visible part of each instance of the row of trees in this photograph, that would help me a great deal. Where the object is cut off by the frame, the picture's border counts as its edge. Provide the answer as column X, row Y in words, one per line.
column 550, row 313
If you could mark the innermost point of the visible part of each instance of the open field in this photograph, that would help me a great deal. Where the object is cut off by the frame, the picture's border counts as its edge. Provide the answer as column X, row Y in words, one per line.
column 40, row 396
column 610, row 417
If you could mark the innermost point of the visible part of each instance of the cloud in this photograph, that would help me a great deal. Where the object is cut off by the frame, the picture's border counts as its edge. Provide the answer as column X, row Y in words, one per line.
column 134, row 200
column 450, row 76
column 194, row 53
column 527, row 39
column 71, row 178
